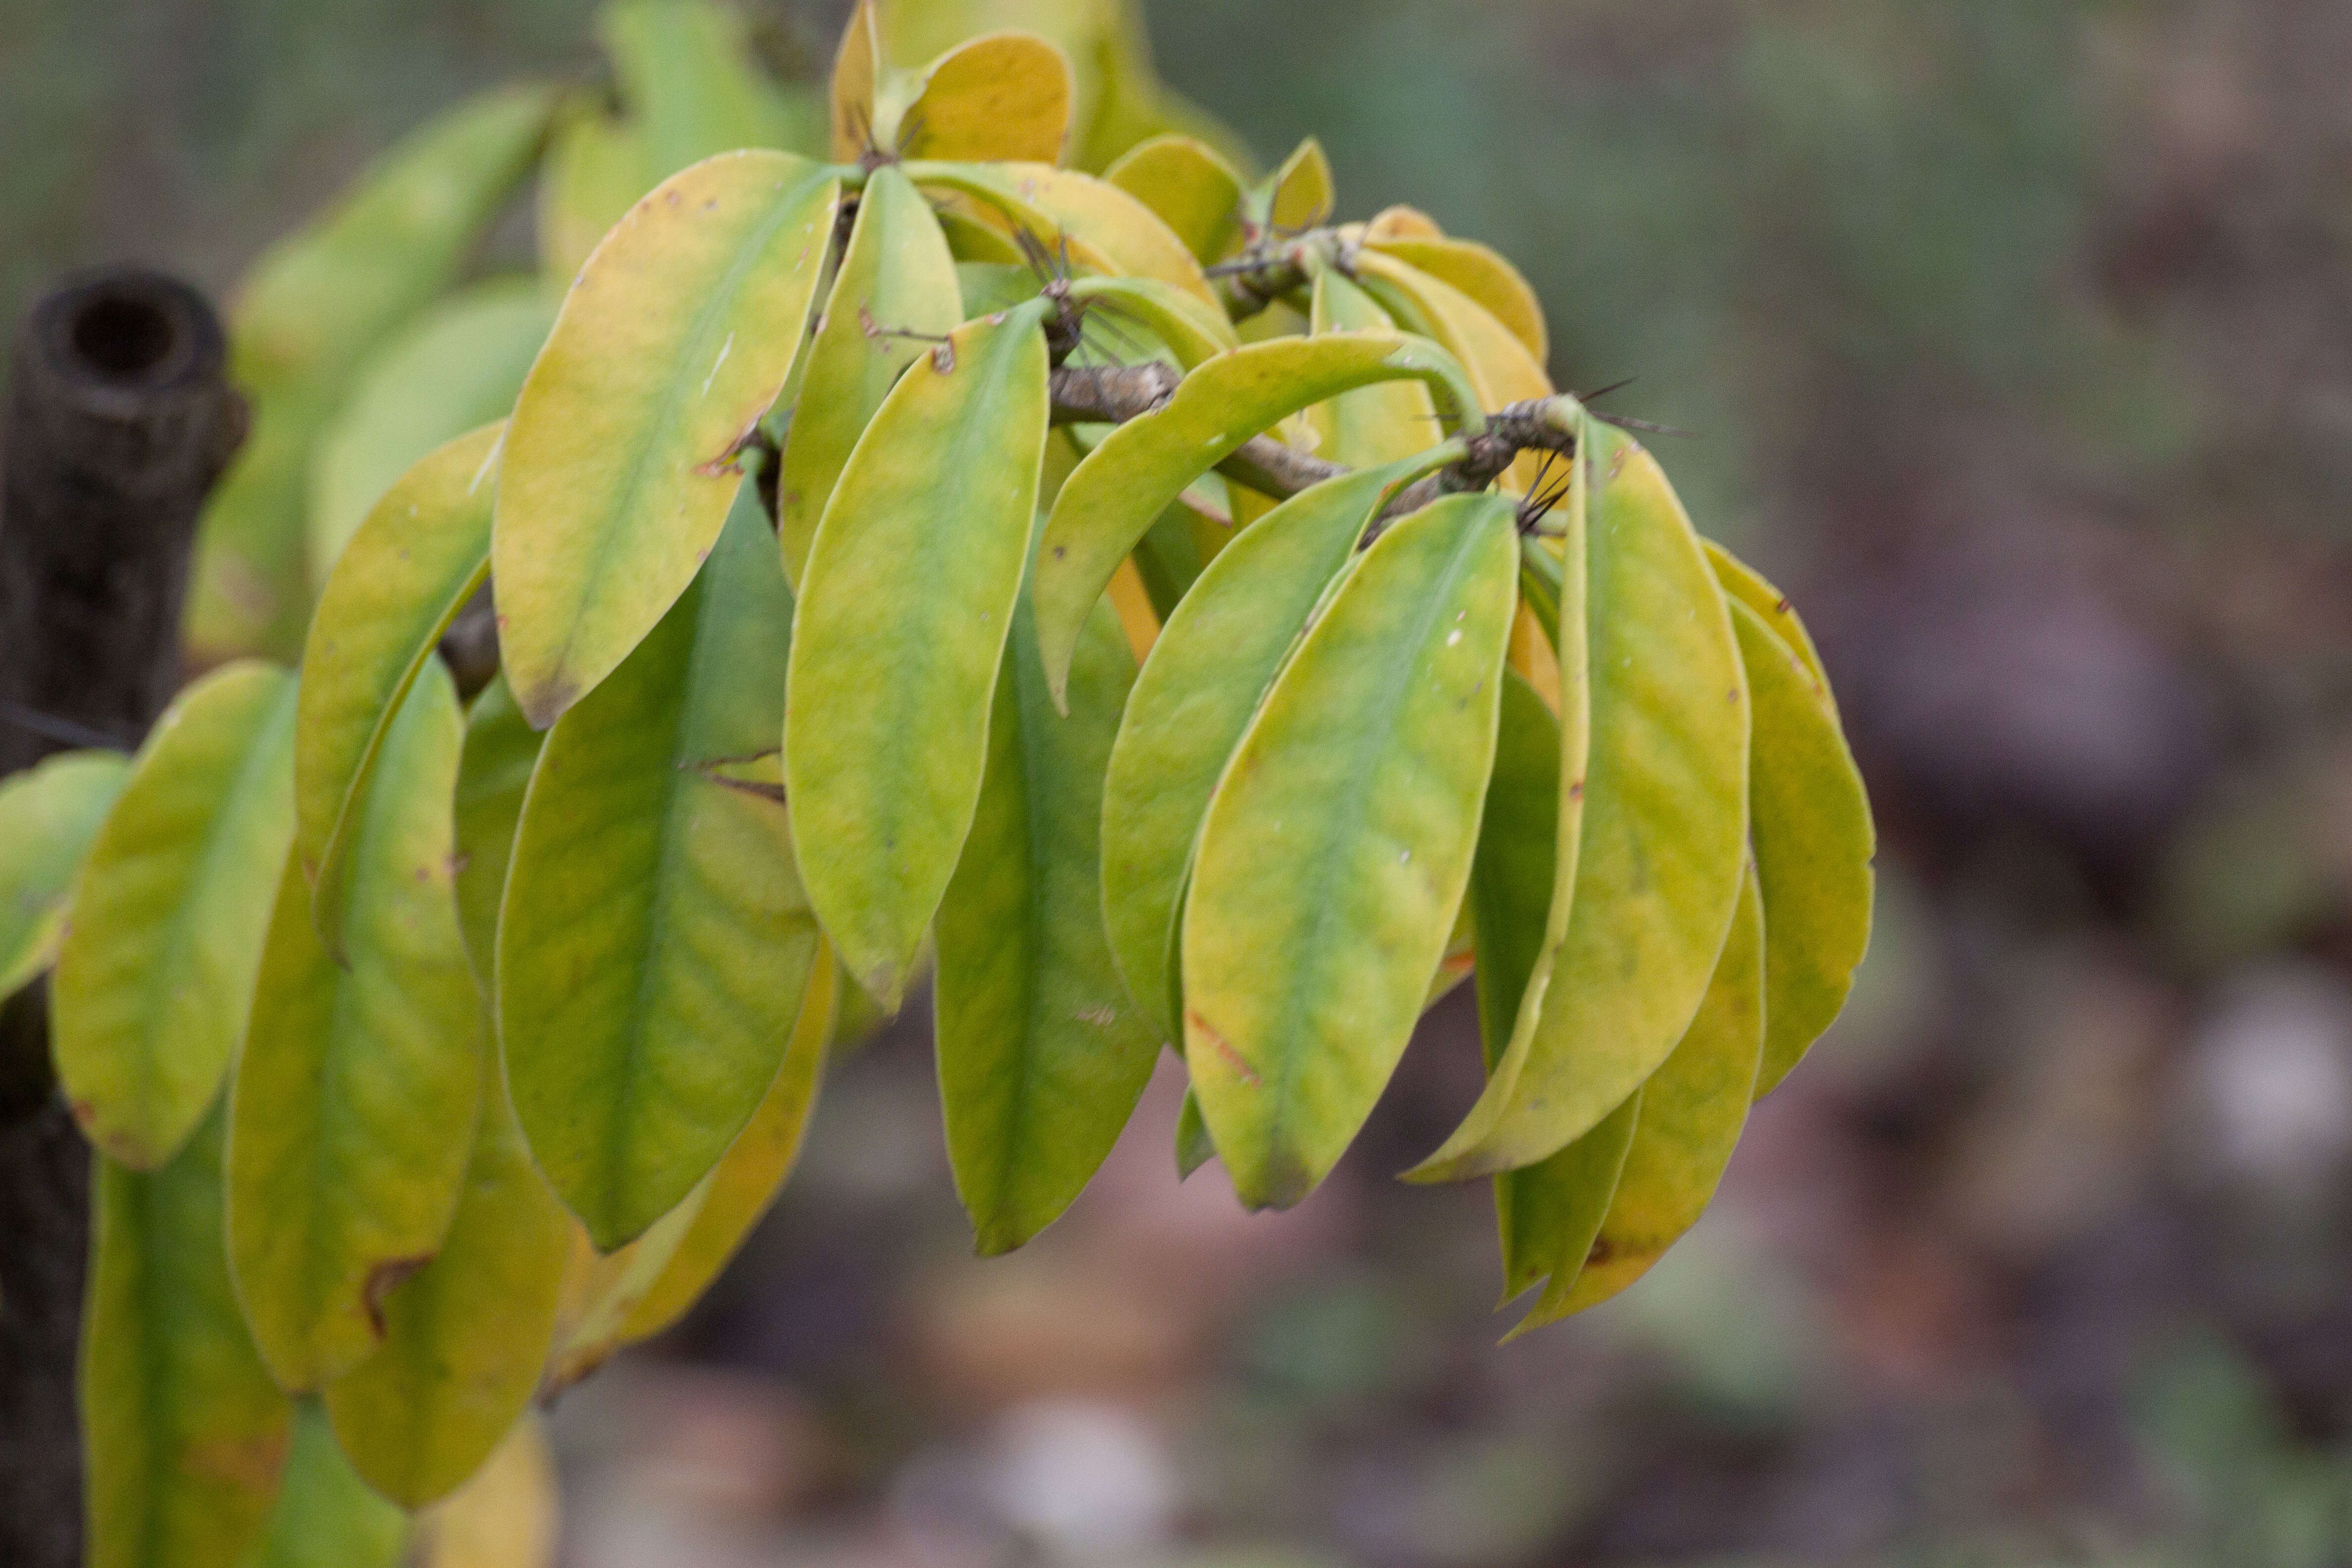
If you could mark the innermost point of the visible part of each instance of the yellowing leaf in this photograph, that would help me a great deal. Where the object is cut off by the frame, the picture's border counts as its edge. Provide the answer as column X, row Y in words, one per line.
column 1814, row 837
column 601, row 1291
column 1656, row 851
column 326, row 1517
column 1550, row 1212
column 47, row 817
column 1338, row 845
column 1499, row 363
column 184, row 1434
column 421, row 553
column 1004, row 97
column 305, row 322
column 856, row 73
column 354, row 1106
column 1042, row 1055
column 905, row 603
column 654, row 939
column 1196, row 191
column 456, row 367
column 1223, row 644
column 1483, row 275
column 1191, row 331
column 1401, row 222
column 1297, row 196
column 1692, row 1110
column 753, row 1169
column 896, row 293
column 595, row 170
column 1744, row 583
column 619, row 465
column 506, row 1517
column 465, row 1336
column 1139, row 470
column 155, row 975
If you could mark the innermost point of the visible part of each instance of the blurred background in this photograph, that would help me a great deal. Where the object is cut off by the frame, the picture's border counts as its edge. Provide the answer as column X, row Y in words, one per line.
column 2016, row 338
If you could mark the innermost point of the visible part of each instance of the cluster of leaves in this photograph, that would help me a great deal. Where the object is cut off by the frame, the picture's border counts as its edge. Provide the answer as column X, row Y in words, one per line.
column 827, row 519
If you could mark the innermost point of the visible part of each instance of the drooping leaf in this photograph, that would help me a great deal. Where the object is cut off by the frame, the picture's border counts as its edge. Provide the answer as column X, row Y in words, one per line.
column 1338, row 845
column 454, row 369
column 1220, row 650
column 465, row 1336
column 354, row 1106
column 1003, row 97
column 1042, row 1055
column 155, row 975
column 1139, row 470
column 754, row 1168
column 1481, row 273
column 896, row 293
column 905, row 600
column 1809, row 822
column 601, row 1291
column 1654, row 821
column 1372, row 424
column 654, row 941
column 49, row 815
column 1692, row 1110
column 1196, row 191
column 1106, row 230
column 1549, row 1212
column 305, row 322
column 326, row 1516
column 506, row 1516
column 619, row 464
column 421, row 553
column 184, row 1434
column 493, row 772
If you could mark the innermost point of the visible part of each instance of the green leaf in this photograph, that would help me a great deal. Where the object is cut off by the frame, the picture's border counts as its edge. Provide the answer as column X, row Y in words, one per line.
column 1107, row 230
column 748, row 1178
column 686, row 74
column 896, row 290
column 456, row 367
column 326, row 1517
column 466, row 1335
column 620, row 460
column 904, row 603
column 493, row 772
column 1653, row 828
column 654, row 941
column 355, row 1099
column 1041, row 1055
column 421, row 553
column 1196, row 191
column 1123, row 484
column 595, row 170
column 1482, row 274
column 184, row 1434
column 48, row 817
column 1194, row 1147
column 1693, row 1109
column 1371, row 424
column 1550, row 1212
column 1338, row 845
column 1003, row 97
column 155, row 975
column 1223, row 646
column 1814, row 837
column 308, row 317
column 1511, row 883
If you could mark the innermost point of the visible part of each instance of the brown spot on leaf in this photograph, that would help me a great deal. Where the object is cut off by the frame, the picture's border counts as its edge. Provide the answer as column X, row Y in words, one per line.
column 383, row 1280
column 249, row 1464
column 1576, row 790
column 1224, row 1047
column 943, row 358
